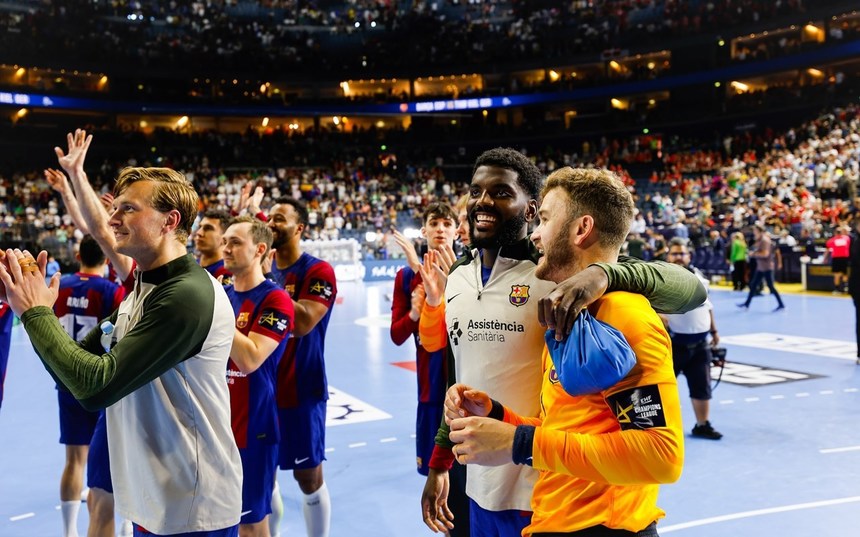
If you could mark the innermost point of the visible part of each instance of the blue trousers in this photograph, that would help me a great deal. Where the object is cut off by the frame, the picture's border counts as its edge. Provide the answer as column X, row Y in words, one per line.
column 767, row 276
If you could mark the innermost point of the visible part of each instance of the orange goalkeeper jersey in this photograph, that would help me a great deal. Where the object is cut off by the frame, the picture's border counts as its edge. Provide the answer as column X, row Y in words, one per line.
column 602, row 456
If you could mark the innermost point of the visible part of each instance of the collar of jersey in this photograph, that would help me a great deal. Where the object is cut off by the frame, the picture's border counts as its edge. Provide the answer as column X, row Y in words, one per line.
column 168, row 270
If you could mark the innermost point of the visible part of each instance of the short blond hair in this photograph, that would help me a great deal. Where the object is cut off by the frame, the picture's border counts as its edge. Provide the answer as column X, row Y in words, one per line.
column 260, row 232
column 172, row 192
column 600, row 194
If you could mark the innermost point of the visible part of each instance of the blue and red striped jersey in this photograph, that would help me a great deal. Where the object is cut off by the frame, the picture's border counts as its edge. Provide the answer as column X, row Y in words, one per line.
column 84, row 300
column 6, row 317
column 217, row 269
column 431, row 367
column 301, row 373
column 266, row 310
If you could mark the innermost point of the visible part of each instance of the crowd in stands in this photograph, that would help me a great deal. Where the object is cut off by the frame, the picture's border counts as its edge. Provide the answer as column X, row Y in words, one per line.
column 801, row 183
column 316, row 36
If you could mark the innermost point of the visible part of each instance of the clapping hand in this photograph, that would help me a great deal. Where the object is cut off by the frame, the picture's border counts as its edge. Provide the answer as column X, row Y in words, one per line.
column 434, row 277
column 23, row 279
column 408, row 248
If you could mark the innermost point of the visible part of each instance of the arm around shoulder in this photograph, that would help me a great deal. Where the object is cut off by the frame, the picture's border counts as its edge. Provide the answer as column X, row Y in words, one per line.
column 668, row 287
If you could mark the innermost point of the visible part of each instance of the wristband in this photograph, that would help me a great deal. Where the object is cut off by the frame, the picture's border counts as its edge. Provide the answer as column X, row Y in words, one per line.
column 441, row 459
column 497, row 412
column 524, row 438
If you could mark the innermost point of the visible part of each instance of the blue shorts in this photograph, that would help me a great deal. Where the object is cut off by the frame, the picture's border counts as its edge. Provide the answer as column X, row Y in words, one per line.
column 302, row 444
column 497, row 523
column 4, row 361
column 259, row 466
column 98, row 459
column 232, row 531
column 76, row 423
column 426, row 426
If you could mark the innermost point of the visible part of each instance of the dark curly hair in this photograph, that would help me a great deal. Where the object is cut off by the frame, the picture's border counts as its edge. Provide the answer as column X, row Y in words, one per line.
column 529, row 176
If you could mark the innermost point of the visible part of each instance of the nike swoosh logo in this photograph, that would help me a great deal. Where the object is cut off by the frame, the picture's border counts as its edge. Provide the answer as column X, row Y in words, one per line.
column 299, row 461
column 453, row 297
column 243, row 513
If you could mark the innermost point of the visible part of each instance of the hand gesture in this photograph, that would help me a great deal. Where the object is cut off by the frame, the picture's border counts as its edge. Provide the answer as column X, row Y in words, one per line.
column 434, row 278
column 23, row 280
column 255, row 201
column 107, row 201
column 418, row 297
column 446, row 258
column 461, row 401
column 559, row 309
column 482, row 441
column 79, row 143
column 434, row 502
column 244, row 197
column 408, row 248
column 57, row 180
column 268, row 260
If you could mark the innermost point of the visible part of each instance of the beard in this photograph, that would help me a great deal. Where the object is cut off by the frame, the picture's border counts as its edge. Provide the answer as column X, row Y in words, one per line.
column 509, row 233
column 557, row 262
column 278, row 240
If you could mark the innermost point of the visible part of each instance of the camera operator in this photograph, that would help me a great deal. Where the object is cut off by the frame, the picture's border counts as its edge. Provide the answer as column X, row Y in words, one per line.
column 691, row 352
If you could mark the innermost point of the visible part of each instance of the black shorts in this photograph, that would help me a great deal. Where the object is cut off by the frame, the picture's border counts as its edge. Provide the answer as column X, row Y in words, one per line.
column 694, row 361
column 839, row 265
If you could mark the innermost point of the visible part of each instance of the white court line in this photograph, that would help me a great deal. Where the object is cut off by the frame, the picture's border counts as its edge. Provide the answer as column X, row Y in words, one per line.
column 777, row 397
column 16, row 518
column 726, row 402
column 329, row 450
column 849, row 390
column 358, row 444
column 801, row 394
column 757, row 512
column 751, row 399
column 826, row 392
column 389, row 439
column 839, row 449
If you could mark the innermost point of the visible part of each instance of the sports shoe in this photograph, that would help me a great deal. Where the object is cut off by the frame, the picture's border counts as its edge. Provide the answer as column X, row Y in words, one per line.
column 779, row 308
column 743, row 305
column 706, row 431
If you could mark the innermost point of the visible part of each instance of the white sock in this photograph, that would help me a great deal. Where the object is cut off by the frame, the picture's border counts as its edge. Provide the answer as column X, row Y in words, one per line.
column 317, row 509
column 277, row 511
column 70, row 517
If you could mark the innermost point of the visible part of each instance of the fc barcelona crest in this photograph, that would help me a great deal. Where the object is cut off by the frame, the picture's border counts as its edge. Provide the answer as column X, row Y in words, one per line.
column 519, row 294
column 242, row 320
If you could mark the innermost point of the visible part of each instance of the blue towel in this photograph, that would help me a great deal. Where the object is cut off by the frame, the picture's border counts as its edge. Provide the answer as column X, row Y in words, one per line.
column 594, row 357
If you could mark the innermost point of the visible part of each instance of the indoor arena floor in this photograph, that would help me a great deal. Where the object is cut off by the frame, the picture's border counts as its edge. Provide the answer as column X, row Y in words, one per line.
column 788, row 465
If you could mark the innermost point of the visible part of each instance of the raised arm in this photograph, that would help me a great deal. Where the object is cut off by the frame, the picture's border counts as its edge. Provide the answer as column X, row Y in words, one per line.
column 92, row 211
column 60, row 184
column 406, row 307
